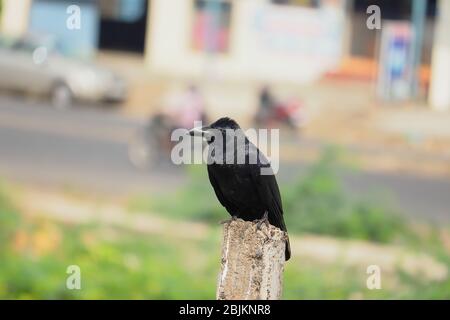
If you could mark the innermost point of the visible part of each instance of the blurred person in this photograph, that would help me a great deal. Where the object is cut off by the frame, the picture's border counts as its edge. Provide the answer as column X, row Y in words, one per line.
column 266, row 103
column 184, row 108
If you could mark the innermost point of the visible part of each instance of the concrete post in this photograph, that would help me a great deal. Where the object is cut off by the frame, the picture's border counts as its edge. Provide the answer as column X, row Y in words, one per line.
column 252, row 262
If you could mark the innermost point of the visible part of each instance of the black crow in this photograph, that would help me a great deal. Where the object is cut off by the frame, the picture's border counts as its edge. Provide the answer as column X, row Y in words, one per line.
column 235, row 171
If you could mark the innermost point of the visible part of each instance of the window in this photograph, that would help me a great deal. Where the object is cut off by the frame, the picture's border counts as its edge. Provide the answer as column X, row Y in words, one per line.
column 211, row 26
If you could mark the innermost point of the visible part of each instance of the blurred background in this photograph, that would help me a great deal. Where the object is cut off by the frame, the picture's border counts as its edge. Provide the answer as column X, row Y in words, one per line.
column 90, row 90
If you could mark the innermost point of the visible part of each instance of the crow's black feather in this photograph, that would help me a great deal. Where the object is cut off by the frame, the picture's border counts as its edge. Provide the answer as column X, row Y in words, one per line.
column 242, row 189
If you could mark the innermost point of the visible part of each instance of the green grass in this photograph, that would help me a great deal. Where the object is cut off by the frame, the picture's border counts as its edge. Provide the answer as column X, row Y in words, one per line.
column 35, row 253
column 122, row 266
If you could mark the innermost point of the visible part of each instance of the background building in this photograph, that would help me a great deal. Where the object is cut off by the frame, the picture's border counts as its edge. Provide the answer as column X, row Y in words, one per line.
column 254, row 40
column 118, row 24
column 277, row 41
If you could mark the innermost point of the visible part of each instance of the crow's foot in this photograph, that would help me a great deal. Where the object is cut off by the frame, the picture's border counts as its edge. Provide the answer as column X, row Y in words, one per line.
column 233, row 218
column 265, row 220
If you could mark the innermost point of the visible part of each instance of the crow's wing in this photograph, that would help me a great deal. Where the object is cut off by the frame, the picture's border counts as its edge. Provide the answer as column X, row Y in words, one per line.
column 231, row 208
column 267, row 188
column 269, row 193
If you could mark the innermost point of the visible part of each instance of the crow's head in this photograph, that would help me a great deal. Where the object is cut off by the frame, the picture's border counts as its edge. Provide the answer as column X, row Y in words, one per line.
column 218, row 128
column 225, row 123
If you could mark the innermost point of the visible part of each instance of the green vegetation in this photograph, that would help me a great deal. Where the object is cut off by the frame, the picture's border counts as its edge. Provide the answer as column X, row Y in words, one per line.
column 117, row 263
column 35, row 254
column 318, row 204
column 314, row 204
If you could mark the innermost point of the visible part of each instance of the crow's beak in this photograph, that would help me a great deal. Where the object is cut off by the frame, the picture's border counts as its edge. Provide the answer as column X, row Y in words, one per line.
column 199, row 131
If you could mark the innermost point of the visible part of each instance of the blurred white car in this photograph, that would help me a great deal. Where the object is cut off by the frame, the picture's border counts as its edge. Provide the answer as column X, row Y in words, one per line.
column 35, row 65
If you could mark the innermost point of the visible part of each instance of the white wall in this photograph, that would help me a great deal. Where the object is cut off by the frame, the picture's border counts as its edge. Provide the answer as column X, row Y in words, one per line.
column 14, row 17
column 439, row 97
column 258, row 50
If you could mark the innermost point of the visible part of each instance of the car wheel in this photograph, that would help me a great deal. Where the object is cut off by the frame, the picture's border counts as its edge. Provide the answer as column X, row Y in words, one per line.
column 61, row 96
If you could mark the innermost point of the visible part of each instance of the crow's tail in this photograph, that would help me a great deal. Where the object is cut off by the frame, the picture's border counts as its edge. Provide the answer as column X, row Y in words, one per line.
column 287, row 252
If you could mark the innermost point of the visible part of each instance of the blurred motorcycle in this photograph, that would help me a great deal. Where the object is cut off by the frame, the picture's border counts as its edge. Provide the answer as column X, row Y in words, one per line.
column 151, row 142
column 289, row 113
column 151, row 145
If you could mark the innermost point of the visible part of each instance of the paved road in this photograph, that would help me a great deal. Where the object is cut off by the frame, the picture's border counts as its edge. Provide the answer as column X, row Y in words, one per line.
column 86, row 149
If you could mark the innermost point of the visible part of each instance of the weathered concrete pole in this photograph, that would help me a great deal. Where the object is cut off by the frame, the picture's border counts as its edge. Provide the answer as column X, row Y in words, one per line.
column 252, row 261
